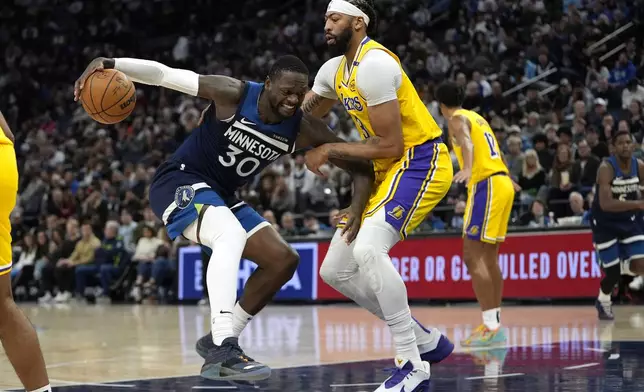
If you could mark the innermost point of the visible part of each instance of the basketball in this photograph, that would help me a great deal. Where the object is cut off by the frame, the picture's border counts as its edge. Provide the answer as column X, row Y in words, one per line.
column 108, row 96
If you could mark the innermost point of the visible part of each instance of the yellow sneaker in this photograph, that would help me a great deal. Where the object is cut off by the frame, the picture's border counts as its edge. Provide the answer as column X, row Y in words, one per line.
column 483, row 337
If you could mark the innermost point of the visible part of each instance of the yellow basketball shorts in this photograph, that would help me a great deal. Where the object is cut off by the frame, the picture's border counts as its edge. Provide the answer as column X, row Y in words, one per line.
column 489, row 205
column 8, row 193
column 413, row 186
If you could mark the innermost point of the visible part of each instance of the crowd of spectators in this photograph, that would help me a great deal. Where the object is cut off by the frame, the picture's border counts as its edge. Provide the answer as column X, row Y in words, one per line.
column 83, row 212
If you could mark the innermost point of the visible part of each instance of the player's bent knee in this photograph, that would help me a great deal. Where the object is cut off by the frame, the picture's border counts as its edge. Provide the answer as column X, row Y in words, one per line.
column 216, row 224
column 290, row 259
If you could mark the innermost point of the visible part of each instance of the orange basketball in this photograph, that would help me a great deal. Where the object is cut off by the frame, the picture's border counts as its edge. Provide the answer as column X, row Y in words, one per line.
column 108, row 96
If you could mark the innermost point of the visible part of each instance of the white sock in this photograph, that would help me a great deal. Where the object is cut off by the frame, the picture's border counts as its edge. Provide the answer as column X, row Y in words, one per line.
column 371, row 251
column 240, row 319
column 46, row 388
column 605, row 298
column 340, row 271
column 492, row 318
column 425, row 341
column 404, row 339
column 220, row 231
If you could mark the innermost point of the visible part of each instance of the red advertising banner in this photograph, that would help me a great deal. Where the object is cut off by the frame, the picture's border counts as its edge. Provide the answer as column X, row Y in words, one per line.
column 534, row 265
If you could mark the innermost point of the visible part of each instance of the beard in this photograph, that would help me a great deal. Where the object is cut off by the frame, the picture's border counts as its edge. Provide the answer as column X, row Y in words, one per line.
column 341, row 44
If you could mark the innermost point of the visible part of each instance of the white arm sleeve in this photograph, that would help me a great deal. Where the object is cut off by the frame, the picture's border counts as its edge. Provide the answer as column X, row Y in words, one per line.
column 378, row 77
column 157, row 74
column 325, row 79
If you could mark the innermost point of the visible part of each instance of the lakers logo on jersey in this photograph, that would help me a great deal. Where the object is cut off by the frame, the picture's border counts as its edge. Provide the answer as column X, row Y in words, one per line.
column 183, row 196
column 397, row 213
column 474, row 230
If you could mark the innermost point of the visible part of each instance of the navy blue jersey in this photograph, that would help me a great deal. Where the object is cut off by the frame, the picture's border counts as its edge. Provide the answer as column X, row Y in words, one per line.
column 228, row 153
column 624, row 186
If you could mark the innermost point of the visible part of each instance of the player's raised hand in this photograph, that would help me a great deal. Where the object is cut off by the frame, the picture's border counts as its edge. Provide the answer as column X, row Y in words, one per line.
column 462, row 176
column 95, row 65
column 315, row 158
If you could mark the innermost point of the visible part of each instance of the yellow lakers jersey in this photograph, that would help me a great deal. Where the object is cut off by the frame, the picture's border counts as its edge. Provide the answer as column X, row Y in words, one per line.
column 3, row 138
column 418, row 126
column 487, row 158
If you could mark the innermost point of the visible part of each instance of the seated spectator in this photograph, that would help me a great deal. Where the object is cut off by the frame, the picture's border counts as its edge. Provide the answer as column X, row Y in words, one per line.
column 109, row 262
column 312, row 225
column 22, row 272
column 532, row 177
column 270, row 218
column 514, row 157
column 289, row 228
column 537, row 216
column 560, row 184
column 334, row 219
column 458, row 218
column 80, row 258
column 584, row 171
column 576, row 201
column 144, row 255
column 598, row 148
column 540, row 143
column 632, row 92
column 64, row 248
column 126, row 230
column 154, row 275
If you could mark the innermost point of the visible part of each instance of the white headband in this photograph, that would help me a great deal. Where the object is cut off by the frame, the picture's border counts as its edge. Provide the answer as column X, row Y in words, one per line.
column 344, row 7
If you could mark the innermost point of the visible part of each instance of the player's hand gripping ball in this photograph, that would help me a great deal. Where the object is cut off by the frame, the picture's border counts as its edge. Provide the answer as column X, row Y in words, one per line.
column 107, row 95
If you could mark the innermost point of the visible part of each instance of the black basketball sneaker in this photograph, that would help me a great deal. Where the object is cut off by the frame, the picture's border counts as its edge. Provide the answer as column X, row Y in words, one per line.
column 229, row 362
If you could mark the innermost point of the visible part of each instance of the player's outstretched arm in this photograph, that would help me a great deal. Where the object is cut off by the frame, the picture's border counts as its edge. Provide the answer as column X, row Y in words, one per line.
column 218, row 88
column 605, row 194
column 5, row 128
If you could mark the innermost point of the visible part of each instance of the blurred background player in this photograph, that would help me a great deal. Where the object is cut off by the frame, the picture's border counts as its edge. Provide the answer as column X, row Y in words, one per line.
column 617, row 226
column 18, row 336
column 489, row 204
column 247, row 127
column 413, row 173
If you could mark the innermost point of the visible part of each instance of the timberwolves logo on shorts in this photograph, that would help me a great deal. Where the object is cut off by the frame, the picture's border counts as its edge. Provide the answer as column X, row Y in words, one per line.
column 183, row 196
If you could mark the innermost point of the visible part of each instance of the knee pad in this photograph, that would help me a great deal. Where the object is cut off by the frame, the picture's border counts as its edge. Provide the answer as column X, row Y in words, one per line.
column 338, row 264
column 369, row 258
column 216, row 224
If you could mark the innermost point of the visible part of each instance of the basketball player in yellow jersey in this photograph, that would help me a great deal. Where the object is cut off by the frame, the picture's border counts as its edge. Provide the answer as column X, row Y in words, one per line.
column 489, row 203
column 413, row 173
column 18, row 337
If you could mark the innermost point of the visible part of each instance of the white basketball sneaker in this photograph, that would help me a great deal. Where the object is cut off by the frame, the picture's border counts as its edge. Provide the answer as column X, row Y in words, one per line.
column 406, row 379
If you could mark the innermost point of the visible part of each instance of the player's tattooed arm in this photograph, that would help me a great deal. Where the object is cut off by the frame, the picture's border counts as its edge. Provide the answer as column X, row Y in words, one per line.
column 314, row 133
column 605, row 193
column 386, row 143
column 5, row 128
column 317, row 105
column 218, row 88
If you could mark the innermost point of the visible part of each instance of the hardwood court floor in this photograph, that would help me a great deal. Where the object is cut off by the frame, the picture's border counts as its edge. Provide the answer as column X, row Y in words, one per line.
column 88, row 345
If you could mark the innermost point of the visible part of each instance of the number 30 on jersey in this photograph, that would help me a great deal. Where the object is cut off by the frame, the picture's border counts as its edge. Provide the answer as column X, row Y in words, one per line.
column 245, row 167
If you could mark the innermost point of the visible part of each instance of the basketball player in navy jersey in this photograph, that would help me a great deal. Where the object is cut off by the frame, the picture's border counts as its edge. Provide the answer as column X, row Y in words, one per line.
column 617, row 226
column 247, row 127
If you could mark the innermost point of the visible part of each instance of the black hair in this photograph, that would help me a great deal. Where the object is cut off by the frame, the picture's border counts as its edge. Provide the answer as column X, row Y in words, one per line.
column 288, row 63
column 368, row 8
column 450, row 94
column 620, row 133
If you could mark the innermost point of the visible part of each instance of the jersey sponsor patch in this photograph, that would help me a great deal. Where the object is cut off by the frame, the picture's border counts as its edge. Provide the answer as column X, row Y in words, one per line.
column 183, row 196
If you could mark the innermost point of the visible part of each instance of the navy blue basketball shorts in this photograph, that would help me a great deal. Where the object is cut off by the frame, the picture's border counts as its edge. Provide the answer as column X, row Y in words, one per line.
column 177, row 197
column 612, row 251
